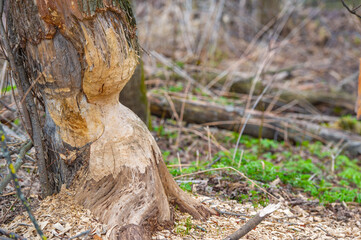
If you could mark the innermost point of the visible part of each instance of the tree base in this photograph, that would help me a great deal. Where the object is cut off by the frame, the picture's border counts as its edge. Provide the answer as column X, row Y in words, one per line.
column 127, row 184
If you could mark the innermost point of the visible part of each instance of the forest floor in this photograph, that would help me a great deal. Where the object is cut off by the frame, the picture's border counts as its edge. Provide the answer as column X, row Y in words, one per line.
column 237, row 198
column 318, row 184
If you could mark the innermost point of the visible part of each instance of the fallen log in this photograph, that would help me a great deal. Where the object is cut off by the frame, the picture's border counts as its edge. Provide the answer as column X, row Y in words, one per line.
column 334, row 97
column 263, row 124
column 330, row 98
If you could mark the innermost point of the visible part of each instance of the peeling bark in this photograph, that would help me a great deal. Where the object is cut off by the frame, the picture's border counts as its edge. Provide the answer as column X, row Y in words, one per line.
column 82, row 53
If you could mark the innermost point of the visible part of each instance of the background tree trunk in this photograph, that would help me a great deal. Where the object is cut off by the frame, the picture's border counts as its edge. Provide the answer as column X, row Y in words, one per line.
column 134, row 95
column 266, row 10
column 81, row 55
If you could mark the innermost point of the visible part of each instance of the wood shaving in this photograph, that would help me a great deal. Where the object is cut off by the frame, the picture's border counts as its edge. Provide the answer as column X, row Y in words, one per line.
column 61, row 218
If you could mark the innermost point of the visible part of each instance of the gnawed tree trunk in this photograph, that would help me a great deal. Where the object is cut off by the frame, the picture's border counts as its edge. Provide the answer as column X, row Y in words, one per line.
column 81, row 54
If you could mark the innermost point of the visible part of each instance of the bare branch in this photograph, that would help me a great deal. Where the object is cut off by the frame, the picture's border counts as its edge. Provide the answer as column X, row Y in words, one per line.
column 253, row 222
column 23, row 84
column 16, row 182
column 24, row 149
column 352, row 11
column 10, row 235
column 85, row 233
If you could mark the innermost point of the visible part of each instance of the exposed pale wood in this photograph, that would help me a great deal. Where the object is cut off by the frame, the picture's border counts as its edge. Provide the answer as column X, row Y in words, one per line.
column 272, row 126
column 83, row 54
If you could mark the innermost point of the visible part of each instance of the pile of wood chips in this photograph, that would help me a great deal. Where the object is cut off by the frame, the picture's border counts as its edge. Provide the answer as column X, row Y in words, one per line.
column 61, row 218
column 286, row 223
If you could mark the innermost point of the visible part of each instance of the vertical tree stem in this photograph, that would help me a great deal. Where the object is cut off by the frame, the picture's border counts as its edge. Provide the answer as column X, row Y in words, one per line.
column 5, row 181
column 23, row 83
column 16, row 182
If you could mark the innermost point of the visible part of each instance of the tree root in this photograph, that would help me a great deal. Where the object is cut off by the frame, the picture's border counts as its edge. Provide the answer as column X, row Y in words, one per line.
column 180, row 198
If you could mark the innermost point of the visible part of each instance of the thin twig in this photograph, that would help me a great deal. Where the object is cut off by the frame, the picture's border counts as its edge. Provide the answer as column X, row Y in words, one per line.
column 327, row 233
column 11, row 235
column 9, row 209
column 253, row 222
column 16, row 182
column 214, row 162
column 231, row 213
column 209, row 155
column 6, row 106
column 352, row 11
column 85, row 233
column 180, row 122
column 248, row 117
column 217, row 169
column 171, row 104
column 22, row 82
column 201, row 228
column 180, row 72
column 19, row 161
column 31, row 87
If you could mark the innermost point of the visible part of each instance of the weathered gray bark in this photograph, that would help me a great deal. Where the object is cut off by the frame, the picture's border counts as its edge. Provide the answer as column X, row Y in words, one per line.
column 81, row 54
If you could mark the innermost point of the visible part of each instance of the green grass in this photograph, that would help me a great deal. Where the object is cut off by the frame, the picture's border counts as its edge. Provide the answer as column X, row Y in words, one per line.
column 348, row 123
column 8, row 88
column 265, row 160
column 184, row 226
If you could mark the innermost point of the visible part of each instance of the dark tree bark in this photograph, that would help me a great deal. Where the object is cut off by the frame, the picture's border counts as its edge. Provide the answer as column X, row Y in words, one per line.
column 134, row 95
column 81, row 54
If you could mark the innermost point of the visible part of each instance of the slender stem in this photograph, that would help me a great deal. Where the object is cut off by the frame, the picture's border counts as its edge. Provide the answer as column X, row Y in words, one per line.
column 23, row 85
column 24, row 149
column 353, row 11
column 16, row 182
column 10, row 235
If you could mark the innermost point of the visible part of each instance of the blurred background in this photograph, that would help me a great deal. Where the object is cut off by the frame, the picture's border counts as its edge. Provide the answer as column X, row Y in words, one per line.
column 297, row 60
column 305, row 45
column 268, row 87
